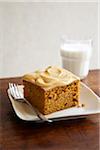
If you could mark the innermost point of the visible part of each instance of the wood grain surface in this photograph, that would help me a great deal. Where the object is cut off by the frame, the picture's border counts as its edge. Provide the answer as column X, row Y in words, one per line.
column 79, row 134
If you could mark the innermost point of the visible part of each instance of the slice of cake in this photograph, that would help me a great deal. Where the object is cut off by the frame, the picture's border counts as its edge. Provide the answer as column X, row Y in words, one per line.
column 52, row 89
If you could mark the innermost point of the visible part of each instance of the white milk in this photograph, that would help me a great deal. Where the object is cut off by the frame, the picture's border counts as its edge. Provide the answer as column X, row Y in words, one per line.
column 76, row 57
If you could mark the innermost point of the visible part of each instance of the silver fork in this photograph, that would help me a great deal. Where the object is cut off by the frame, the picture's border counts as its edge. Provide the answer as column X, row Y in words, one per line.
column 18, row 96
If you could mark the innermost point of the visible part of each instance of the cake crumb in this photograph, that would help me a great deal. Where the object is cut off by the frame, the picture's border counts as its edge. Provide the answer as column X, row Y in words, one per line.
column 83, row 105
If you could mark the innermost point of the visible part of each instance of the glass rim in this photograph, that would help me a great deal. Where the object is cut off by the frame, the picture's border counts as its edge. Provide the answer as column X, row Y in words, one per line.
column 66, row 40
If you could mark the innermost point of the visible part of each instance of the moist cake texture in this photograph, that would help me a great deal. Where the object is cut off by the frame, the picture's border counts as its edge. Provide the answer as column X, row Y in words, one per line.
column 52, row 89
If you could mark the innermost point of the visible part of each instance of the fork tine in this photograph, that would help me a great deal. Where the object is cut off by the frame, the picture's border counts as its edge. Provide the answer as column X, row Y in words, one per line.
column 20, row 93
column 16, row 90
column 12, row 90
column 9, row 86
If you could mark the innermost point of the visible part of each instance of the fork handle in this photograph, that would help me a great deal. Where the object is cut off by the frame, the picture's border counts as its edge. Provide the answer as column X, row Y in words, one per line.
column 38, row 113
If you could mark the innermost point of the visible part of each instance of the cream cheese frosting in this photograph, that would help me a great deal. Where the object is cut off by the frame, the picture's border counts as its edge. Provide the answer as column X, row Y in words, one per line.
column 51, row 77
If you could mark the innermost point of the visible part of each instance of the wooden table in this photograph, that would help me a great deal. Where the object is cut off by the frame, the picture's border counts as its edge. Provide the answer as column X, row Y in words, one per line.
column 79, row 134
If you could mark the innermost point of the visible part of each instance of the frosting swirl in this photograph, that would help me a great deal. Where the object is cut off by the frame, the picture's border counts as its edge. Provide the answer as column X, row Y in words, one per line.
column 51, row 77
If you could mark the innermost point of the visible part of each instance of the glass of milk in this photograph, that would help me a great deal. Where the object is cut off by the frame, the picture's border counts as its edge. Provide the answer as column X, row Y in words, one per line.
column 75, row 56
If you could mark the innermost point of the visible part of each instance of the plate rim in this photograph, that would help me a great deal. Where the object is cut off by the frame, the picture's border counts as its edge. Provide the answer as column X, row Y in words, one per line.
column 57, row 118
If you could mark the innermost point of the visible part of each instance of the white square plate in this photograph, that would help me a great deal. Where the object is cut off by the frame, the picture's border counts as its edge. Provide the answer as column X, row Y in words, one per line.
column 87, row 97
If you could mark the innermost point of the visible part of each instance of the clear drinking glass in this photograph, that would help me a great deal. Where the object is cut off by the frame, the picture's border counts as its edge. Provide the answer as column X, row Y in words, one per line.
column 76, row 56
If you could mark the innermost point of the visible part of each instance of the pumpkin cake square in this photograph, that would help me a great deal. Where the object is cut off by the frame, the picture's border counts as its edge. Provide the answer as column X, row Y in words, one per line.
column 52, row 89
